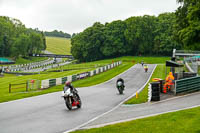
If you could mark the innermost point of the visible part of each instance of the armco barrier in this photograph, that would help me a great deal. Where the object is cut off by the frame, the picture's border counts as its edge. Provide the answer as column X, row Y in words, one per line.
column 64, row 79
column 58, row 81
column 52, row 82
column 187, row 85
column 94, row 72
column 91, row 73
column 69, row 78
column 45, row 83
column 74, row 78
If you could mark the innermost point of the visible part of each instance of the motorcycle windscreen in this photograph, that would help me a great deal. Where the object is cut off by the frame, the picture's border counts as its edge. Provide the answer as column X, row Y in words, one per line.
column 65, row 88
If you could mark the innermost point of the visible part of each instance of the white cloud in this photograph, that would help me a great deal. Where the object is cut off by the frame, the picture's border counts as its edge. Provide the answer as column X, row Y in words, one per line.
column 76, row 15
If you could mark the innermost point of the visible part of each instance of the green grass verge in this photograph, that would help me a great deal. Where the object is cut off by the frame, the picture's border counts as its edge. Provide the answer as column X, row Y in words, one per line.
column 185, row 121
column 143, row 95
column 58, row 45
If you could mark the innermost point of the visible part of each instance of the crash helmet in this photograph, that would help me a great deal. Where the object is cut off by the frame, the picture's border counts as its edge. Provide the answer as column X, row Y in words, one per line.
column 119, row 83
column 67, row 83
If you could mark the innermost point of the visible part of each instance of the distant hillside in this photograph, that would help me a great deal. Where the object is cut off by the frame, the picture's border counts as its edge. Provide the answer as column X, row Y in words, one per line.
column 56, row 33
column 58, row 45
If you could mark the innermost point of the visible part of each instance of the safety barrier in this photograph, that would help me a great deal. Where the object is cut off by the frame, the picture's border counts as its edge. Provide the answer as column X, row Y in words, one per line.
column 154, row 91
column 52, row 82
column 64, row 79
column 187, row 85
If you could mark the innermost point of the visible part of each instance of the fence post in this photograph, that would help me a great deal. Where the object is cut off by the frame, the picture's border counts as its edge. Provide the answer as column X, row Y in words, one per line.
column 27, row 85
column 9, row 88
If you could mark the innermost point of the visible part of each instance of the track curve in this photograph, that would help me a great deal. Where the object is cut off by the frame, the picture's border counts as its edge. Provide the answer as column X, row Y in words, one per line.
column 48, row 114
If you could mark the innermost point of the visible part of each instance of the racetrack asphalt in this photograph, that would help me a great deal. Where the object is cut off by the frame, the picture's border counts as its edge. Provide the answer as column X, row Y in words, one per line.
column 48, row 113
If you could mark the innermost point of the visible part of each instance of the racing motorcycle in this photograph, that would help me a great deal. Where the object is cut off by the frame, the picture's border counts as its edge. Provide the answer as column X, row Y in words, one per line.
column 120, row 87
column 145, row 68
column 72, row 99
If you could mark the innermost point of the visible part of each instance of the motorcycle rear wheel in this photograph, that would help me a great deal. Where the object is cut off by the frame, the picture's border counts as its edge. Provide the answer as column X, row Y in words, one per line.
column 79, row 100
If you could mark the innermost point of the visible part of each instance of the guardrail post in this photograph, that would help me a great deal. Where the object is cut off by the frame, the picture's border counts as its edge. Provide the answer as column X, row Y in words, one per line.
column 9, row 88
column 26, row 85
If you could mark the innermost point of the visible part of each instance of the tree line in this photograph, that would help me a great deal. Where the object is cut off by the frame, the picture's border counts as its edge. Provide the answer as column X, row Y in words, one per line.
column 56, row 33
column 141, row 35
column 16, row 40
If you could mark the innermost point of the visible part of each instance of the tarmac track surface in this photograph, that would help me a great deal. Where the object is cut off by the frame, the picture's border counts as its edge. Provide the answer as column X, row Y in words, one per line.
column 48, row 113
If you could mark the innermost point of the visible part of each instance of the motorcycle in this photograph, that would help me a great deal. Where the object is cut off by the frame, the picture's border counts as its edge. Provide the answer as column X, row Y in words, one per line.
column 120, row 87
column 72, row 99
column 146, row 69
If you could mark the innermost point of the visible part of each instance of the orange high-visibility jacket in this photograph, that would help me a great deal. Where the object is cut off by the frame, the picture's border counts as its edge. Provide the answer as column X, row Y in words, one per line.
column 169, row 79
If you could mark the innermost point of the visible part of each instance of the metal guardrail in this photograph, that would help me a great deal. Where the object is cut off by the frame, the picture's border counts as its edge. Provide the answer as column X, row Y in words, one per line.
column 187, row 85
column 52, row 82
column 58, row 81
column 64, row 79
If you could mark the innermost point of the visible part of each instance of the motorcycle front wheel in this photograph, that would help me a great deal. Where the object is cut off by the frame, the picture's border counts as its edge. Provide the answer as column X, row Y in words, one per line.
column 68, row 103
column 120, row 90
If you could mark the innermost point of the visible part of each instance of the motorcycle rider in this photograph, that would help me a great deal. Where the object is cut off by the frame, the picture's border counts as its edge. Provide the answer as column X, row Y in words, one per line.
column 118, row 82
column 145, row 67
column 142, row 62
column 69, row 85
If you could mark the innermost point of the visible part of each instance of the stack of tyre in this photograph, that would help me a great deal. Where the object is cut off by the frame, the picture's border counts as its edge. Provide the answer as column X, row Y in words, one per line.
column 155, row 90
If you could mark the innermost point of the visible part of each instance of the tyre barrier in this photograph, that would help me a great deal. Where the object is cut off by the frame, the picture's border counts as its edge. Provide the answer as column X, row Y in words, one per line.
column 58, row 81
column 154, row 91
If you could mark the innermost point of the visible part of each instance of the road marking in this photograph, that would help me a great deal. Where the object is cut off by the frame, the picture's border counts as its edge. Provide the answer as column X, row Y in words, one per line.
column 79, row 127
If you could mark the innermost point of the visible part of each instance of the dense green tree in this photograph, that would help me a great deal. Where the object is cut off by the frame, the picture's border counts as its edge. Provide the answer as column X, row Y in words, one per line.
column 56, row 33
column 43, row 40
column 86, row 45
column 16, row 39
column 20, row 46
column 188, row 24
column 140, row 34
column 115, row 42
column 164, row 34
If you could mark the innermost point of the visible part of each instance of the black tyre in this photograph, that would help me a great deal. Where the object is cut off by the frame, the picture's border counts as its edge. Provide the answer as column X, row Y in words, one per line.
column 68, row 103
column 120, row 90
column 79, row 100
column 155, row 98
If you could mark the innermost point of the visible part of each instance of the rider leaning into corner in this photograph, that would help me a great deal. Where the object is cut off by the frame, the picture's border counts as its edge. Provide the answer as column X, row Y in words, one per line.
column 69, row 85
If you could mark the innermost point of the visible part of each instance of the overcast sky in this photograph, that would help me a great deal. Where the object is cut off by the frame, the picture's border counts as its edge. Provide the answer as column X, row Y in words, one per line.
column 73, row 16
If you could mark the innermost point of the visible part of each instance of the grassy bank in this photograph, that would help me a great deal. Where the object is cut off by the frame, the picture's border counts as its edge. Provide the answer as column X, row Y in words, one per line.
column 186, row 121
column 58, row 45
